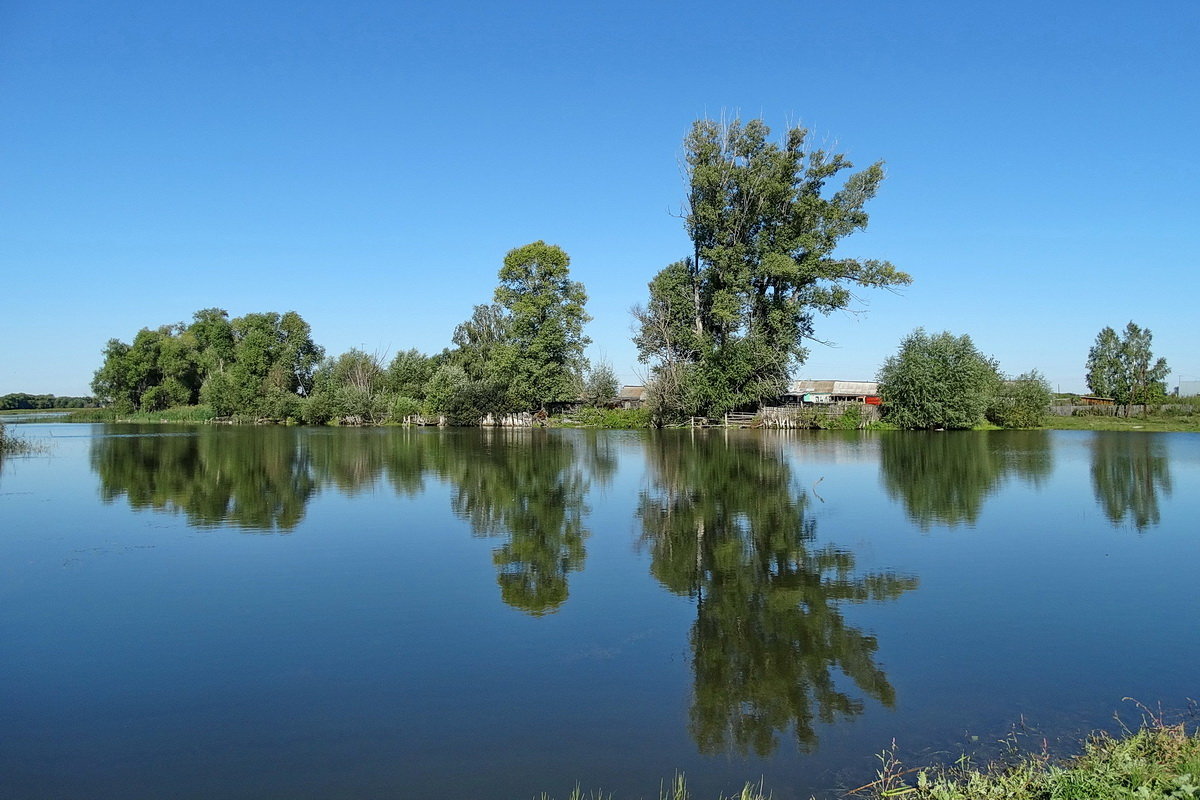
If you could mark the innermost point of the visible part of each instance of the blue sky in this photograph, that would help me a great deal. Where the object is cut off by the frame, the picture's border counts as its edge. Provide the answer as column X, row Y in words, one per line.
column 369, row 164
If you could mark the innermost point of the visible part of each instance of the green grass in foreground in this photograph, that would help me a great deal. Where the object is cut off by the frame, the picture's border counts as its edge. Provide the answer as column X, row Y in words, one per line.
column 1158, row 761
column 676, row 790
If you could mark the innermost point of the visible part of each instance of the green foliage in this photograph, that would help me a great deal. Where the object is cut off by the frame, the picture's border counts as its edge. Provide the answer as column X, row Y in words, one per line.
column 20, row 401
column 724, row 327
column 1158, row 761
column 545, row 316
column 600, row 384
column 404, row 407
column 318, row 408
column 939, row 381
column 256, row 365
column 1023, row 402
column 190, row 413
column 676, row 789
column 1123, row 367
column 443, row 386
column 408, row 373
column 617, row 418
column 851, row 419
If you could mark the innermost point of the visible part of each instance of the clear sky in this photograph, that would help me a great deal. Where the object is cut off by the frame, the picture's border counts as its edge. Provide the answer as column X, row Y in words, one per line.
column 368, row 164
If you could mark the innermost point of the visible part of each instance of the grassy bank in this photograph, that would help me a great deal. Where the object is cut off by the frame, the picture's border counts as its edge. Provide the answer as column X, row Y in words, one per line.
column 1158, row 761
column 675, row 790
column 1160, row 423
column 177, row 414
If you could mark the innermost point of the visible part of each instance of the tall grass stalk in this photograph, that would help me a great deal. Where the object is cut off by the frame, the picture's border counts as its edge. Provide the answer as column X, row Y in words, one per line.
column 13, row 445
column 676, row 789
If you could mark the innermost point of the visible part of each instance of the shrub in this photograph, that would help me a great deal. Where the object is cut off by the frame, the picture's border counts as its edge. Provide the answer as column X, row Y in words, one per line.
column 404, row 407
column 851, row 419
column 939, row 381
column 617, row 418
column 1021, row 403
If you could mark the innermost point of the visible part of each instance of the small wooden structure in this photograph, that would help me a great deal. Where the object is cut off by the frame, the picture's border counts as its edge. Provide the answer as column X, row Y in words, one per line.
column 631, row 397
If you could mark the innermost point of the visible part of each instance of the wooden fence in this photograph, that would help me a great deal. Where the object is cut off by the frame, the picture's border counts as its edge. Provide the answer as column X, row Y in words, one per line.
column 811, row 416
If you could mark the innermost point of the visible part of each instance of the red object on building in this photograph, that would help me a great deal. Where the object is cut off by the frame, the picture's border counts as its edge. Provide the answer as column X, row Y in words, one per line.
column 873, row 400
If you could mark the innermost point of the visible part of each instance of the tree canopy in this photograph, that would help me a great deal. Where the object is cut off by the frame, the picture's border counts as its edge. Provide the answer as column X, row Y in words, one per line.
column 724, row 327
column 938, row 381
column 1123, row 367
column 246, row 364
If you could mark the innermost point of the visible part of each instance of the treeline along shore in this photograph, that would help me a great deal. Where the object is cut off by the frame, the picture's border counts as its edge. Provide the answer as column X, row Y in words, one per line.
column 722, row 330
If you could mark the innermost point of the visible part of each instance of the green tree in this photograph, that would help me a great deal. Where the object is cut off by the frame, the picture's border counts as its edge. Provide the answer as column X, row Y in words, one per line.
column 408, row 373
column 1123, row 367
column 483, row 344
column 939, row 381
column 214, row 339
column 114, row 383
column 544, row 315
column 273, row 354
column 1023, row 402
column 725, row 327
column 600, row 383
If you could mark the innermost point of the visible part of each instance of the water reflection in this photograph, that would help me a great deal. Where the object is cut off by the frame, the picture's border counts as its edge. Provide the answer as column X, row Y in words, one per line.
column 1128, row 473
column 264, row 484
column 526, row 487
column 725, row 524
column 944, row 478
column 529, row 487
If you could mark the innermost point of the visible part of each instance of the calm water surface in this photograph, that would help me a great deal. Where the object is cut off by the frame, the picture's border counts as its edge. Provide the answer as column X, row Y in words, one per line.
column 197, row 612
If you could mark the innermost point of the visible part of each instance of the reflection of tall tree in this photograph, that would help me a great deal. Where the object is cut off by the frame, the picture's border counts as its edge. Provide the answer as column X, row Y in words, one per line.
column 1128, row 472
column 724, row 525
column 944, row 477
column 528, row 486
column 256, row 478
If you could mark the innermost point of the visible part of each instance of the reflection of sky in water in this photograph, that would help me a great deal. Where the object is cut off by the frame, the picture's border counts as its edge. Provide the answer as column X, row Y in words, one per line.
column 372, row 648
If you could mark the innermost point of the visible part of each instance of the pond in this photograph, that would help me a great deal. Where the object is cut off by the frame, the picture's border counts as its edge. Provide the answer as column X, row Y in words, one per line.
column 239, row 612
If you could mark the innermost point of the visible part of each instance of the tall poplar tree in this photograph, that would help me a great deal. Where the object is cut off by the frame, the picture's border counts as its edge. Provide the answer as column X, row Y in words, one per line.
column 544, row 313
column 724, row 327
column 1123, row 367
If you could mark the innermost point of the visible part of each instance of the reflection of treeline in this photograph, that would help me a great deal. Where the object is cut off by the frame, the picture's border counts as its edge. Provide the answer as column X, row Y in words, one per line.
column 1128, row 473
column 725, row 524
column 262, row 483
column 38, row 402
column 524, row 487
column 943, row 478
